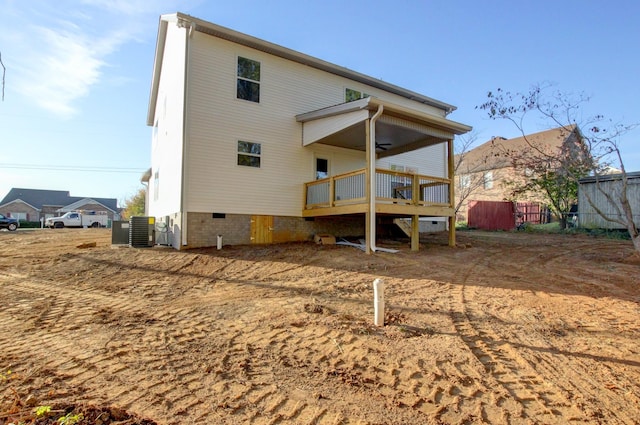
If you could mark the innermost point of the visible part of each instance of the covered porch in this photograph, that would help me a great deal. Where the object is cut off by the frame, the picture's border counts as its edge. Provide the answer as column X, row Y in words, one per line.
column 382, row 129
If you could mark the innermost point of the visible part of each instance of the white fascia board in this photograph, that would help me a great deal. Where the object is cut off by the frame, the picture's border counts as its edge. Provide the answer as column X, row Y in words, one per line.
column 157, row 67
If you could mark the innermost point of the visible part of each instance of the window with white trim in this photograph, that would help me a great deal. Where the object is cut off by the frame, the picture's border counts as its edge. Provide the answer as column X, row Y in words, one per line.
column 350, row 95
column 248, row 82
column 20, row 216
column 156, row 185
column 249, row 154
column 488, row 180
column 465, row 181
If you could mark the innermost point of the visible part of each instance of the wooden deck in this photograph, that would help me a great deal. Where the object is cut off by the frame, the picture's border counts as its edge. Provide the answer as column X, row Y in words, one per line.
column 397, row 193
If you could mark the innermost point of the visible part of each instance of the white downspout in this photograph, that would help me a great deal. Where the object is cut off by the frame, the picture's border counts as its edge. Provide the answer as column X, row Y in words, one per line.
column 372, row 178
column 185, row 134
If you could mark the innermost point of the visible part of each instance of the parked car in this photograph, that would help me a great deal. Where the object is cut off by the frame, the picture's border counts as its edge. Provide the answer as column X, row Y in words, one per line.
column 77, row 219
column 8, row 223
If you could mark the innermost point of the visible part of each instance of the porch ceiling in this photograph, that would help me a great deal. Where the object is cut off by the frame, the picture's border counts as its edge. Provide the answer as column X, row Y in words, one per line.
column 398, row 130
column 391, row 139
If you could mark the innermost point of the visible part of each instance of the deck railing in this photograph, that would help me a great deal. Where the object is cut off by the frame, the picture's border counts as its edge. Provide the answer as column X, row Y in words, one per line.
column 391, row 187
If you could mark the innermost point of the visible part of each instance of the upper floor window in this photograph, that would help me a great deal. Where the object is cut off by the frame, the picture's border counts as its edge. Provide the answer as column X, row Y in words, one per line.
column 154, row 136
column 248, row 86
column 350, row 95
column 488, row 180
column 156, row 185
column 465, row 181
column 249, row 154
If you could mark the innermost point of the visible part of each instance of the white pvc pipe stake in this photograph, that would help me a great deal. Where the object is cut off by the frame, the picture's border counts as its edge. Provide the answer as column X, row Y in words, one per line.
column 219, row 245
column 378, row 302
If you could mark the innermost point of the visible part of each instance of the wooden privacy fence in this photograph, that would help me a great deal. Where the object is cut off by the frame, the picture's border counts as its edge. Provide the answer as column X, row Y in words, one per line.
column 505, row 215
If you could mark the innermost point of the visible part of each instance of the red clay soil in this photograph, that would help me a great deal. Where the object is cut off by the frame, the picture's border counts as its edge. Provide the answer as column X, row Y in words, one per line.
column 507, row 328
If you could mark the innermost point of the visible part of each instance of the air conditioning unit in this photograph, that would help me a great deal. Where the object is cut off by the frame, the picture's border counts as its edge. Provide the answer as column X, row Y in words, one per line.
column 142, row 231
column 119, row 232
column 162, row 233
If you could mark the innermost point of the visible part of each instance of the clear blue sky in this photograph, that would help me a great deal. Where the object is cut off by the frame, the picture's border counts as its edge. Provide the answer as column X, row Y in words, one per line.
column 78, row 72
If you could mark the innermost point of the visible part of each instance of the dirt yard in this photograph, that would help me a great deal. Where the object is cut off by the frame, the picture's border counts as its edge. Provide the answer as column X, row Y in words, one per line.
column 508, row 328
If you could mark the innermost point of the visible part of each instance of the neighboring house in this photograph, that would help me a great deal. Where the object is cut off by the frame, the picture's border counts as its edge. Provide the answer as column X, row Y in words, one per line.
column 258, row 143
column 36, row 204
column 489, row 172
column 605, row 194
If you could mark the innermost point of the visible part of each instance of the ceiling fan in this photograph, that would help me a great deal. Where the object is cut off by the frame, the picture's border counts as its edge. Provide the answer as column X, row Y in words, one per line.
column 381, row 146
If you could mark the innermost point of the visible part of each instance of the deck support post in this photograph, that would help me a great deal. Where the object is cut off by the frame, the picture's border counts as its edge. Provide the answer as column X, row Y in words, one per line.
column 415, row 233
column 368, row 230
column 452, row 193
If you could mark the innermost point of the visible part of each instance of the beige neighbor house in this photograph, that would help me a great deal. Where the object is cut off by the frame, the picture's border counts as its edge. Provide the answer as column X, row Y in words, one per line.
column 33, row 205
column 257, row 143
column 488, row 172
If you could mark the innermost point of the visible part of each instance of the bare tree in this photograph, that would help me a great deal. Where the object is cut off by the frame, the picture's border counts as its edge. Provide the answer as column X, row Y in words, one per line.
column 616, row 200
column 599, row 146
column 4, row 71
column 467, row 171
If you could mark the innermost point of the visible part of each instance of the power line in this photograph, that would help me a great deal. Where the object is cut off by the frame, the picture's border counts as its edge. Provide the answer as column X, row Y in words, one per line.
column 72, row 168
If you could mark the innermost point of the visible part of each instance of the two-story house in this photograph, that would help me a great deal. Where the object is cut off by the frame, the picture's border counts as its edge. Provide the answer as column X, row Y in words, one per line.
column 257, row 143
column 495, row 170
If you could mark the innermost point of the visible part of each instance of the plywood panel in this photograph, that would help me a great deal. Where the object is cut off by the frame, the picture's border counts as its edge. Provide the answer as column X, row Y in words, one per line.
column 262, row 229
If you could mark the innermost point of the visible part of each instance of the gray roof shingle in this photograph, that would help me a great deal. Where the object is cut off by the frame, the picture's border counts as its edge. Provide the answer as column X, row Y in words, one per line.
column 39, row 198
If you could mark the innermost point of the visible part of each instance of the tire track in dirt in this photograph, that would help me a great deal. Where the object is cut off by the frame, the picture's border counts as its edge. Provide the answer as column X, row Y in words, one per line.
column 260, row 394
column 420, row 386
column 167, row 374
column 219, row 340
column 334, row 354
column 401, row 381
column 528, row 394
column 116, row 360
column 554, row 357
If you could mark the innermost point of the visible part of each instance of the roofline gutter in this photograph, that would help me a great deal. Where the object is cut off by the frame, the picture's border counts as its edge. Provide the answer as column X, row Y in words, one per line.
column 157, row 70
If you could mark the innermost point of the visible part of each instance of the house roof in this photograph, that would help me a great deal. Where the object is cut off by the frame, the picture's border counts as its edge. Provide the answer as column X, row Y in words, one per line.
column 80, row 203
column 188, row 21
column 400, row 129
column 56, row 198
column 487, row 156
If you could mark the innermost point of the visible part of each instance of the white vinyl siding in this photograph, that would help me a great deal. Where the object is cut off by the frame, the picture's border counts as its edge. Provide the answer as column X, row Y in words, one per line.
column 217, row 120
column 166, row 155
column 431, row 161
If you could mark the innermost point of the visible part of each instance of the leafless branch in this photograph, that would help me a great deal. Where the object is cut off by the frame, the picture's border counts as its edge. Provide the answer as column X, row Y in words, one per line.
column 4, row 71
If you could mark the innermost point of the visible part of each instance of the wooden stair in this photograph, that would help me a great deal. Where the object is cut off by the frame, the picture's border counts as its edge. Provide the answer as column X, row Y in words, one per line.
column 404, row 224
